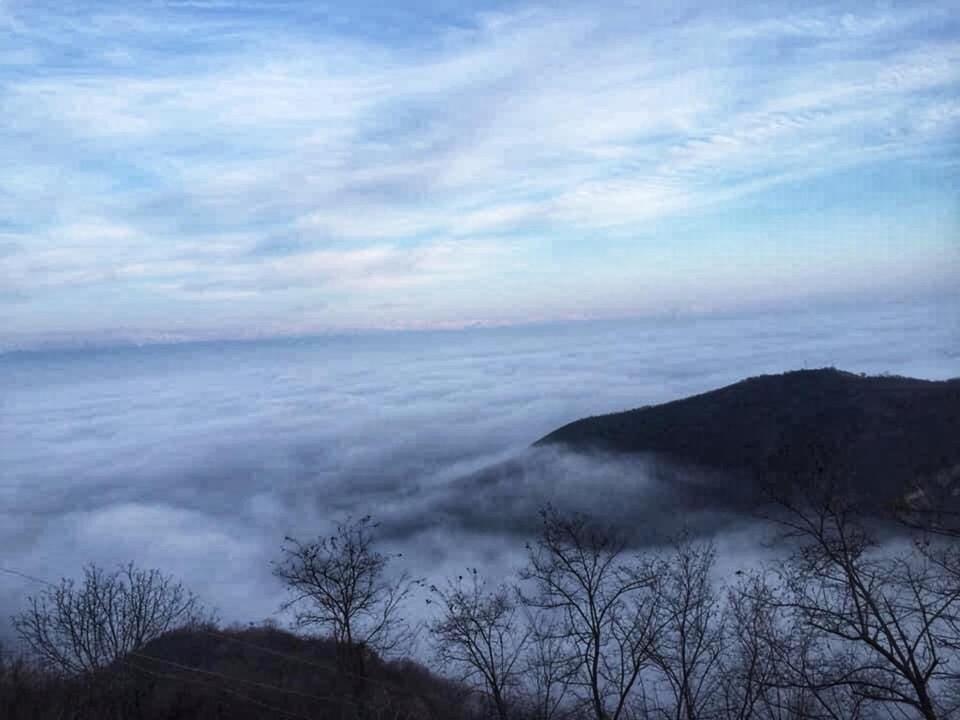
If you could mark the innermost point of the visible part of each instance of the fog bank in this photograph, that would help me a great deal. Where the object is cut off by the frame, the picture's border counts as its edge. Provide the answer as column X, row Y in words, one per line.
column 198, row 459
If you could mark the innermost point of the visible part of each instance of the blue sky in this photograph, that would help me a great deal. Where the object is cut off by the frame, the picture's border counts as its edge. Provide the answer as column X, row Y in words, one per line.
column 201, row 168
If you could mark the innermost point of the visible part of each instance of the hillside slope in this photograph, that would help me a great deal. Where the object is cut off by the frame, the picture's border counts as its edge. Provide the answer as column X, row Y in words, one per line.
column 883, row 433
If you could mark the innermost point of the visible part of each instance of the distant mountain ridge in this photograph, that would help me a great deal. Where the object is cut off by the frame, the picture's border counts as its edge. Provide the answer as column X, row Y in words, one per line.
column 882, row 432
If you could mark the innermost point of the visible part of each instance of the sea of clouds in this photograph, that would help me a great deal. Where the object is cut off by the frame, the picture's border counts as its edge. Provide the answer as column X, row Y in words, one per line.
column 199, row 458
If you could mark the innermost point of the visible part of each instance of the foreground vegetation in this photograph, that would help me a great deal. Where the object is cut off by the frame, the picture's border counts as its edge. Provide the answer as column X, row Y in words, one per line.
column 854, row 623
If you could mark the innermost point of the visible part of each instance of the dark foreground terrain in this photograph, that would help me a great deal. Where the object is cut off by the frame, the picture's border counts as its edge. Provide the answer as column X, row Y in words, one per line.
column 210, row 672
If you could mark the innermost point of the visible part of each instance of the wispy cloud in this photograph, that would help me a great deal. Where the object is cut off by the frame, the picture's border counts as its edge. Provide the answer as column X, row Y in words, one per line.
column 173, row 146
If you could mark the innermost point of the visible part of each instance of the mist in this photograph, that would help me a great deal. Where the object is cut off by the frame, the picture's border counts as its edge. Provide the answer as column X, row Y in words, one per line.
column 199, row 458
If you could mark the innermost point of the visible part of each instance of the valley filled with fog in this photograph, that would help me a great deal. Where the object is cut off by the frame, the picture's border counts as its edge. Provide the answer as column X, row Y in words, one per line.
column 199, row 458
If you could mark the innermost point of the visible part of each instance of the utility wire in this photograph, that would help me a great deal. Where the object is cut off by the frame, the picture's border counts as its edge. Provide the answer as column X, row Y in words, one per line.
column 306, row 661
column 208, row 673
column 25, row 576
column 269, row 651
column 229, row 691
column 254, row 683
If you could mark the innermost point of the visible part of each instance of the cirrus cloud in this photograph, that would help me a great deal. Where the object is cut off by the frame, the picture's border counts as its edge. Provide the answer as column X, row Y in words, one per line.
column 164, row 150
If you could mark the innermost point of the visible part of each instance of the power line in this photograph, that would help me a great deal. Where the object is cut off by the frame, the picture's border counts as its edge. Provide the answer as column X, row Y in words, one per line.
column 269, row 651
column 25, row 576
column 399, row 689
column 222, row 676
column 253, row 683
column 310, row 663
column 229, row 691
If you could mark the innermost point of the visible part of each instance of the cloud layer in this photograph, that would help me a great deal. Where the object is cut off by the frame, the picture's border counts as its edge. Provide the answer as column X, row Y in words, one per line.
column 199, row 458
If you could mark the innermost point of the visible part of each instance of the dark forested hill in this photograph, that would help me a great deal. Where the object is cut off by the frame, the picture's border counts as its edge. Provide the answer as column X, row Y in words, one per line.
column 240, row 674
column 882, row 433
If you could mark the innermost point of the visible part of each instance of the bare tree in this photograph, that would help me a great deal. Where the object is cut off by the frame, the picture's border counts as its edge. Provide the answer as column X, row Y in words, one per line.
column 878, row 617
column 769, row 663
column 81, row 628
column 604, row 602
column 752, row 686
column 549, row 666
column 691, row 638
column 932, row 512
column 481, row 634
column 341, row 584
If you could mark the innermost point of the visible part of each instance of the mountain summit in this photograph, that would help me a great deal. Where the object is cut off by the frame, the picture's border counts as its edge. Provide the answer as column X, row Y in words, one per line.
column 884, row 433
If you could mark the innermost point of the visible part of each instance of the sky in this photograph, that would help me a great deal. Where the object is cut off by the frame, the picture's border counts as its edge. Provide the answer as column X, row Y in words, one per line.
column 219, row 168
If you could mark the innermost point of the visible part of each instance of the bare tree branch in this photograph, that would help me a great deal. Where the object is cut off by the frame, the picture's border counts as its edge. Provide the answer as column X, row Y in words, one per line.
column 81, row 628
column 604, row 601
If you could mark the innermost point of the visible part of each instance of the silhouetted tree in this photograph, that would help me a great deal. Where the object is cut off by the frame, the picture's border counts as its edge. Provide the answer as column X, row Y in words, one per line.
column 604, row 601
column 549, row 667
column 341, row 584
column 691, row 636
column 879, row 619
column 480, row 634
column 769, row 667
column 82, row 628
